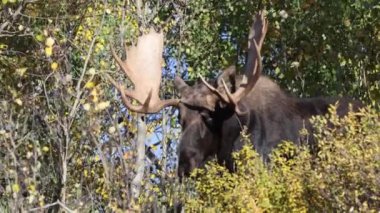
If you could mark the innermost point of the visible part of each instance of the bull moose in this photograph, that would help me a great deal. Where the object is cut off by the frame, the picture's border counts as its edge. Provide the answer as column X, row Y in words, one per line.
column 213, row 113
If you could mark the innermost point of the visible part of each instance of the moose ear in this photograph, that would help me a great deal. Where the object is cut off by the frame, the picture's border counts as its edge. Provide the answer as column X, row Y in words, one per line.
column 180, row 84
column 228, row 75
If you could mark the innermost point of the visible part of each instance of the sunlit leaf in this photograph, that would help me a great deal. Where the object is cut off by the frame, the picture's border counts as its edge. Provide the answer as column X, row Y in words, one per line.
column 21, row 71
column 111, row 130
column 45, row 149
column 89, row 85
column 86, row 106
column 48, row 51
column 18, row 101
column 15, row 187
column 102, row 105
column 54, row 66
column 49, row 42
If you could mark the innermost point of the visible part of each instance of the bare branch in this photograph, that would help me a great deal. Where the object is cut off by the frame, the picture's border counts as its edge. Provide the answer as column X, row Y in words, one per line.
column 51, row 205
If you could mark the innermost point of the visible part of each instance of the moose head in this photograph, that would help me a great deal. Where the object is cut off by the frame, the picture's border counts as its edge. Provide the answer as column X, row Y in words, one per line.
column 213, row 113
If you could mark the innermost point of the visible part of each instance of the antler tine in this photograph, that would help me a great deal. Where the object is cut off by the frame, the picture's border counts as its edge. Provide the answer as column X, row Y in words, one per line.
column 229, row 95
column 123, row 92
column 126, row 95
column 123, row 65
column 213, row 89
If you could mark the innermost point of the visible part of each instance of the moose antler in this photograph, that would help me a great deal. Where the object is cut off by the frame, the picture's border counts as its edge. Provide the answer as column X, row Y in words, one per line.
column 143, row 67
column 253, row 67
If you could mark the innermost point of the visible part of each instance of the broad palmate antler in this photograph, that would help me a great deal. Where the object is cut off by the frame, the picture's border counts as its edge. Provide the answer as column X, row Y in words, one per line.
column 143, row 66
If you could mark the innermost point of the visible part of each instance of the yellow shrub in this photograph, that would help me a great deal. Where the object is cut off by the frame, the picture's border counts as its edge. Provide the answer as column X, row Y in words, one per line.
column 342, row 176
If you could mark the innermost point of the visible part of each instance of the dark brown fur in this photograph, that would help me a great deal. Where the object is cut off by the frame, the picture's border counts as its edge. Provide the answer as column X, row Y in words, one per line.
column 211, row 128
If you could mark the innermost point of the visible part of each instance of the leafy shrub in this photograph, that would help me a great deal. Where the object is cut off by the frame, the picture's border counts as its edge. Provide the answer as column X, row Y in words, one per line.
column 342, row 176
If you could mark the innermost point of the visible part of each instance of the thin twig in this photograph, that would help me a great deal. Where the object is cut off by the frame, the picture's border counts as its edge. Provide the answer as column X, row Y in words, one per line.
column 58, row 202
column 78, row 87
column 15, row 14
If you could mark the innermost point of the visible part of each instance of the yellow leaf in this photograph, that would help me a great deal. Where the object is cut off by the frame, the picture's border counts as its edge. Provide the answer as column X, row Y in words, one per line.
column 86, row 106
column 48, row 51
column 102, row 105
column 99, row 46
column 54, row 66
column 89, row 85
column 45, row 149
column 18, row 101
column 103, row 63
column 21, row 71
column 3, row 46
column 95, row 99
column 29, row 155
column 32, row 188
column 111, row 130
column 91, row 71
column 49, row 42
column 88, row 35
column 156, row 20
column 94, row 94
column 39, row 37
column 15, row 188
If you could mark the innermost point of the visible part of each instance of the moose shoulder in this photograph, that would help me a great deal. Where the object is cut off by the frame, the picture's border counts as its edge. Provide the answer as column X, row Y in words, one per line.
column 212, row 114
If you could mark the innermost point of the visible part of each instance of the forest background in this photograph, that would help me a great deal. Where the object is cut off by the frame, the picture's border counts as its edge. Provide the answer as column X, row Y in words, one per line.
column 67, row 142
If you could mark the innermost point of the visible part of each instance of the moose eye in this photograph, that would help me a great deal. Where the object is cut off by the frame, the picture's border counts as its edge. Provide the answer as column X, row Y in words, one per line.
column 206, row 116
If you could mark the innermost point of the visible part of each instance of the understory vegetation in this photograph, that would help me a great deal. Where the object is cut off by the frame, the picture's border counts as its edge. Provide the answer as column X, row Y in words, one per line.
column 342, row 176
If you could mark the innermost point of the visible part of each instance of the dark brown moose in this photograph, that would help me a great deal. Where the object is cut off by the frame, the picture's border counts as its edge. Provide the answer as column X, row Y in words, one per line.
column 212, row 114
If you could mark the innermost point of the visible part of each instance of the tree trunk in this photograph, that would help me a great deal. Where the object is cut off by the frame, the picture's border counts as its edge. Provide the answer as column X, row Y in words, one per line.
column 164, row 141
column 140, row 159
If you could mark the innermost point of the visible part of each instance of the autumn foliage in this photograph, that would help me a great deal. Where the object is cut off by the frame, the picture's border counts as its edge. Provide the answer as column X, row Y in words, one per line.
column 341, row 176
